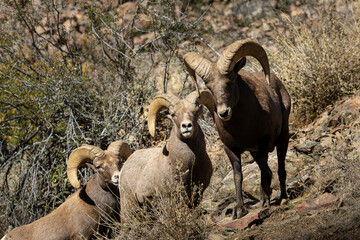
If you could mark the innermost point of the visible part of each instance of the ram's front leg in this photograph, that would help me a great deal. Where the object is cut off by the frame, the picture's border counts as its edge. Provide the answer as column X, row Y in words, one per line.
column 235, row 159
column 266, row 176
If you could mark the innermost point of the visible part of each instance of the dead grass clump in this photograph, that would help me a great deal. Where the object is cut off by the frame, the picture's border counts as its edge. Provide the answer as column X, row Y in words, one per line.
column 319, row 60
column 167, row 216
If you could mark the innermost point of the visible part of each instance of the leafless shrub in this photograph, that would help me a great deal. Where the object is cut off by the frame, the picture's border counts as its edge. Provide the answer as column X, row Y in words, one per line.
column 71, row 73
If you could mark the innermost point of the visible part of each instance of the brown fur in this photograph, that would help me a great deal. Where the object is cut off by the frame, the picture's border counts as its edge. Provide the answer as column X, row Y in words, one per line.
column 258, row 123
column 82, row 213
column 148, row 171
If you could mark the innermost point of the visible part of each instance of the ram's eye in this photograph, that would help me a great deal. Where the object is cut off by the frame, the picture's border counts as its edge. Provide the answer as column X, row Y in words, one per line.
column 99, row 167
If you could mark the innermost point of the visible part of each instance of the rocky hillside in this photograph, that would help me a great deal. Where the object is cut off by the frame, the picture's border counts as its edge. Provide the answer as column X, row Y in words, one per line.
column 323, row 180
column 75, row 72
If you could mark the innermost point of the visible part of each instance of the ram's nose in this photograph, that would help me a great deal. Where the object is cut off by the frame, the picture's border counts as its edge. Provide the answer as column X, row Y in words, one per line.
column 186, row 125
column 224, row 113
column 186, row 129
column 115, row 179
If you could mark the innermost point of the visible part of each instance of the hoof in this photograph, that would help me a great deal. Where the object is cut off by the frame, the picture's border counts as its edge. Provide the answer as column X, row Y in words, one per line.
column 249, row 161
column 239, row 213
column 284, row 202
column 265, row 203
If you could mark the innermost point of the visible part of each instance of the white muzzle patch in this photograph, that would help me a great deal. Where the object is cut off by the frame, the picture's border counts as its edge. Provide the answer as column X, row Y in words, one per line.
column 116, row 178
column 186, row 129
column 224, row 113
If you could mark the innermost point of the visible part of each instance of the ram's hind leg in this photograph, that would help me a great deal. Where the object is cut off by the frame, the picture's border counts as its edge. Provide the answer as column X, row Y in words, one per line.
column 281, row 149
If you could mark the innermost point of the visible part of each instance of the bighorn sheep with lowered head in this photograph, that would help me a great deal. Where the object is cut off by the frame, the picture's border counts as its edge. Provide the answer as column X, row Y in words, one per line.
column 81, row 215
column 183, row 159
column 251, row 113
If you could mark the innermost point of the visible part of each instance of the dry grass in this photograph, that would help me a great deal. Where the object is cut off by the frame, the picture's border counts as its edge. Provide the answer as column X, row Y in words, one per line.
column 319, row 60
column 167, row 216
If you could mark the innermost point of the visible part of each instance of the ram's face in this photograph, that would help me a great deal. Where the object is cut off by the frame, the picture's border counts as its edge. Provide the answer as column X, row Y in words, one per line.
column 224, row 89
column 184, row 116
column 108, row 168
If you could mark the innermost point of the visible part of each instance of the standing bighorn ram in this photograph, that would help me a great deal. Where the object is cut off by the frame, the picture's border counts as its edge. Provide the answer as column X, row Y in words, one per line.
column 251, row 114
column 183, row 158
column 81, row 215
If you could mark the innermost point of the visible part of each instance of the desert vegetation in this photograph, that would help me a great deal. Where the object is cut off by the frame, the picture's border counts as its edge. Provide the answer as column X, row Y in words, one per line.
column 74, row 73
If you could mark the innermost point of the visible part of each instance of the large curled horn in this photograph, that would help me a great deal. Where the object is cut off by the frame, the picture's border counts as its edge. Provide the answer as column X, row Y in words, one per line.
column 239, row 49
column 120, row 149
column 77, row 158
column 205, row 99
column 159, row 103
column 195, row 63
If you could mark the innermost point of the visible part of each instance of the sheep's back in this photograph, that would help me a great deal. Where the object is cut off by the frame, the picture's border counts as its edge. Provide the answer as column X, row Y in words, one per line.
column 143, row 172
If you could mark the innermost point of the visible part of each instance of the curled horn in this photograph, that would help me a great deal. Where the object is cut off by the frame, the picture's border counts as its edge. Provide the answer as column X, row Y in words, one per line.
column 78, row 158
column 205, row 99
column 195, row 63
column 239, row 49
column 159, row 103
column 120, row 149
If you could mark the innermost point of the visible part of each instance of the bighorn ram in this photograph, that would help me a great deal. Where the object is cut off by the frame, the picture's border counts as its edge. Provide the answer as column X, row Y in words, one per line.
column 183, row 158
column 251, row 114
column 80, row 215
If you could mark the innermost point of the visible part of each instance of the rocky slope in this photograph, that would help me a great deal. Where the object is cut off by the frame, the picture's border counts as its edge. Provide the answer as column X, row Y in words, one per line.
column 322, row 164
column 323, row 178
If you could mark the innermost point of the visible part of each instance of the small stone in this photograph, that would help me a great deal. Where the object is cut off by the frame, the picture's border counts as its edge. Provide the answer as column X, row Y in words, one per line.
column 324, row 201
column 248, row 220
column 266, row 27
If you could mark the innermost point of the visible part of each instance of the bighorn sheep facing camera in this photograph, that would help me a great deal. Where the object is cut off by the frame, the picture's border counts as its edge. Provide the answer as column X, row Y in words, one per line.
column 183, row 158
column 251, row 114
column 80, row 215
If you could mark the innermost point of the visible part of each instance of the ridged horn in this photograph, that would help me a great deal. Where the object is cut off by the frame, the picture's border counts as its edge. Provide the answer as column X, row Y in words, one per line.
column 195, row 63
column 78, row 157
column 243, row 48
column 205, row 99
column 161, row 102
column 120, row 149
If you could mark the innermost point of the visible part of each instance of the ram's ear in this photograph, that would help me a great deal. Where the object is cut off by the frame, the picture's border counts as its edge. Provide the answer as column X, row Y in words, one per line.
column 200, row 110
column 240, row 64
column 91, row 166
column 168, row 112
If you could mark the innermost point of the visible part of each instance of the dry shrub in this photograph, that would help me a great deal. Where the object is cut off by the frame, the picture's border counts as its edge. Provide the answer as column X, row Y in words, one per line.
column 71, row 74
column 319, row 59
column 168, row 216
